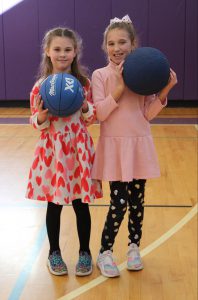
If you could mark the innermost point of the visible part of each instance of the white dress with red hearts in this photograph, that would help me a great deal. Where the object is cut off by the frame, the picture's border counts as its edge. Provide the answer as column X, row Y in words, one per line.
column 63, row 157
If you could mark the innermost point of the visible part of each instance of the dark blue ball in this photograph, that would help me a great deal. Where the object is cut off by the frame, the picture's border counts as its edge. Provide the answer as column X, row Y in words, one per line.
column 62, row 94
column 146, row 71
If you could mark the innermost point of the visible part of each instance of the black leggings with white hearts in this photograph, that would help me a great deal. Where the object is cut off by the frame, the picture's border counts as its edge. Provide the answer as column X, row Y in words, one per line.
column 123, row 194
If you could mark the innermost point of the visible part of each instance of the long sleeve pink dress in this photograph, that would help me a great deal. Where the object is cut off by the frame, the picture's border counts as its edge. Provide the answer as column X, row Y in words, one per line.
column 125, row 149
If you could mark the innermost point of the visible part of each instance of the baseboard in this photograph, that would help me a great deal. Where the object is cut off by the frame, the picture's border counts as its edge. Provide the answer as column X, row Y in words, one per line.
column 182, row 103
column 15, row 103
column 26, row 103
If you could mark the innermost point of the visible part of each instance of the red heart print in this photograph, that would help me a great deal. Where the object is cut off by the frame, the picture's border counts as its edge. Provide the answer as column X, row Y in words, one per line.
column 61, row 182
column 85, row 184
column 76, row 189
column 53, row 181
column 65, row 148
column 77, row 172
column 49, row 144
column 40, row 198
column 48, row 160
column 35, row 163
column 86, row 199
column 38, row 180
column 75, row 127
column 60, row 167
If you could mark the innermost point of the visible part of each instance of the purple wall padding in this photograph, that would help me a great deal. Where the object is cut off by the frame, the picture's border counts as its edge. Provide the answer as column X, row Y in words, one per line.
column 21, row 49
column 191, row 51
column 166, row 32
column 55, row 13
column 90, row 21
column 170, row 26
column 2, row 70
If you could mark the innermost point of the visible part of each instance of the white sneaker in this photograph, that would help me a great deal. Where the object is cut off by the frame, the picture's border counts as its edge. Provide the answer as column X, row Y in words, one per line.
column 106, row 264
column 134, row 261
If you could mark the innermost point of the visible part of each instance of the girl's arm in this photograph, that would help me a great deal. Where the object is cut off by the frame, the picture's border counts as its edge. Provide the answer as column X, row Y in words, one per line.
column 154, row 104
column 105, row 105
column 39, row 118
column 88, row 110
column 172, row 81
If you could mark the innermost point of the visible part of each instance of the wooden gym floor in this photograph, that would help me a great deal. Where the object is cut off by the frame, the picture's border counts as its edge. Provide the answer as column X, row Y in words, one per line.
column 169, row 242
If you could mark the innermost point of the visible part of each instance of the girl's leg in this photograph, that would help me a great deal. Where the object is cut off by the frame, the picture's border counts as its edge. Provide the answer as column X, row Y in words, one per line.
column 55, row 262
column 83, row 220
column 117, row 210
column 136, row 190
column 136, row 215
column 53, row 225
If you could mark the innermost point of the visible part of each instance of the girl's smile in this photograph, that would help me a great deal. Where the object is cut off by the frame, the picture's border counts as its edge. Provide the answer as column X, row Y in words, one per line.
column 62, row 53
column 118, row 45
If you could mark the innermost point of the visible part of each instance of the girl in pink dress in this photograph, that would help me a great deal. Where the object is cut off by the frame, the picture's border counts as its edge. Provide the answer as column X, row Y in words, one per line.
column 63, row 158
column 125, row 154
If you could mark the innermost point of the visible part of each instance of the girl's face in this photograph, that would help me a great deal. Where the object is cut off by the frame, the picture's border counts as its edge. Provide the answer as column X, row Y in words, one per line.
column 118, row 45
column 62, row 53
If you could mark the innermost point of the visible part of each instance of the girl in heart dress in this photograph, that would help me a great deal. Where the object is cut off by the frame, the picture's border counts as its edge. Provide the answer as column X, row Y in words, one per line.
column 64, row 154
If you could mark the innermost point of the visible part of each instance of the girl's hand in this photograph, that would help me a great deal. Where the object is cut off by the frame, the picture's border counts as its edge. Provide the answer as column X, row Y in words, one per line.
column 120, row 85
column 42, row 113
column 172, row 79
column 171, row 83
column 85, row 107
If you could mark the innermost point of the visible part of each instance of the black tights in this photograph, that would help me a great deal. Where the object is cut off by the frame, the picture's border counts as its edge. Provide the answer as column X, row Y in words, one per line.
column 83, row 221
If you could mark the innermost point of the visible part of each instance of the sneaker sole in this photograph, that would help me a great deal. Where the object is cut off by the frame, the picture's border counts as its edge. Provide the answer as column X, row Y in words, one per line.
column 56, row 273
column 135, row 268
column 107, row 275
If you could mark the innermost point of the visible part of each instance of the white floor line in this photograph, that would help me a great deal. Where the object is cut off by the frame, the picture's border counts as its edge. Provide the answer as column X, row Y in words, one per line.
column 196, row 127
column 145, row 251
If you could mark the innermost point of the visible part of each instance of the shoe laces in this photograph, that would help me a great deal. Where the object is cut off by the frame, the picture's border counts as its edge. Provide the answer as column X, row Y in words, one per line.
column 84, row 258
column 107, row 257
column 134, row 251
column 55, row 258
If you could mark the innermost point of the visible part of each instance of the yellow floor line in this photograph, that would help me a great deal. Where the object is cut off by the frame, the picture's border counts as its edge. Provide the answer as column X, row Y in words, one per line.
column 145, row 251
column 196, row 126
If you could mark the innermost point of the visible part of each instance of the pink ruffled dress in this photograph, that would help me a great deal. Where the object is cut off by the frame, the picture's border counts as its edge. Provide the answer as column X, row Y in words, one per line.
column 63, row 157
column 125, row 149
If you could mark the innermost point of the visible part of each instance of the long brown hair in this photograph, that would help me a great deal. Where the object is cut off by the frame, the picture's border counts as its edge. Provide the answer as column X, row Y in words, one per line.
column 46, row 67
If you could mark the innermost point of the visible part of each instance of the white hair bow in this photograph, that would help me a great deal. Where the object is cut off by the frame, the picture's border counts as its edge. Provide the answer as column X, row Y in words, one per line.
column 125, row 19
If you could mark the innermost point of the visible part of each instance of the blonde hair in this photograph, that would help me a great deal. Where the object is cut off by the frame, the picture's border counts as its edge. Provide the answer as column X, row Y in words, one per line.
column 46, row 67
column 128, row 27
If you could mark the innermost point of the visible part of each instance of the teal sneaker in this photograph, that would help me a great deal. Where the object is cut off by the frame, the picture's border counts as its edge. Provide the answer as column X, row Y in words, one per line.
column 56, row 264
column 84, row 266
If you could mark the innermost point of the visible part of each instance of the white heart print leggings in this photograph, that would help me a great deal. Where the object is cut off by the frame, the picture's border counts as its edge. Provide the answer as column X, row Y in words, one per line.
column 123, row 194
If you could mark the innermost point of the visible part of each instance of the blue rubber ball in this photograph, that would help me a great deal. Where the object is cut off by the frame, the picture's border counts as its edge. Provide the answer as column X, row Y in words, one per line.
column 62, row 94
column 146, row 71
